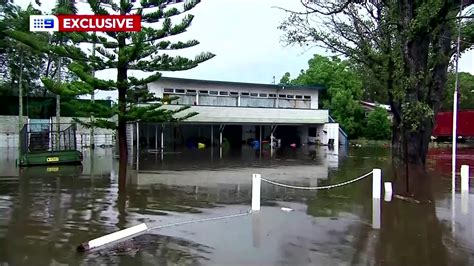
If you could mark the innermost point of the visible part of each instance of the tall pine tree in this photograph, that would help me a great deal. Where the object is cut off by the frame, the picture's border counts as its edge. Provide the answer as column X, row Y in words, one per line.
column 124, row 51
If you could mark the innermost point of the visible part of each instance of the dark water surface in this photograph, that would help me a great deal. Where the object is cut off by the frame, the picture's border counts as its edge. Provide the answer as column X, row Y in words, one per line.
column 46, row 212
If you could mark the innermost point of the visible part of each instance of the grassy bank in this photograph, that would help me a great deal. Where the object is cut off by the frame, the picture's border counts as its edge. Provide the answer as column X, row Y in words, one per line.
column 384, row 143
column 368, row 142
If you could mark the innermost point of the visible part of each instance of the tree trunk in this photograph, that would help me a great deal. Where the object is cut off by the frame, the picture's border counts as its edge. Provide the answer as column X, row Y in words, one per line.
column 122, row 122
column 411, row 147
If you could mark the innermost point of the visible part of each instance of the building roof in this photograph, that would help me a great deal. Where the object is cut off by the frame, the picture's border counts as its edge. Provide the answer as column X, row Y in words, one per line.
column 241, row 84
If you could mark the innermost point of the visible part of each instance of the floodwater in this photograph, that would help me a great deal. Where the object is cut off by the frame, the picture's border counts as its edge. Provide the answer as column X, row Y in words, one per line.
column 46, row 212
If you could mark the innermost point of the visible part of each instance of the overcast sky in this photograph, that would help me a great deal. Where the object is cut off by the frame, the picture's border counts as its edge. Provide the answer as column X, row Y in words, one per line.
column 244, row 36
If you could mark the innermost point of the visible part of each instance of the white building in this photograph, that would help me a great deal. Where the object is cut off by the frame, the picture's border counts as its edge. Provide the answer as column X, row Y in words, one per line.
column 239, row 113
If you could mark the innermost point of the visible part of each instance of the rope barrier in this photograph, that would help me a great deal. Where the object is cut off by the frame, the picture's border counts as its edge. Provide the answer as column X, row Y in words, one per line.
column 199, row 221
column 318, row 188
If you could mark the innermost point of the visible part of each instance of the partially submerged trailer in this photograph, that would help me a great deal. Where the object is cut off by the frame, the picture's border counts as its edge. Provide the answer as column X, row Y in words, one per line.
column 42, row 144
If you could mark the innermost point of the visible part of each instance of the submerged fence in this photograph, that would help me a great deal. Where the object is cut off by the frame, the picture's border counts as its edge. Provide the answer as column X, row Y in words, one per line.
column 256, row 189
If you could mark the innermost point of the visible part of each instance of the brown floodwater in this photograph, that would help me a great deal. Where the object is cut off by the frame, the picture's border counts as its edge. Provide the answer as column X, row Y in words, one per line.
column 46, row 212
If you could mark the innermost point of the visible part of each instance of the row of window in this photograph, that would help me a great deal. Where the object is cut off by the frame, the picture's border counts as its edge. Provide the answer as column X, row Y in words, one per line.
column 235, row 93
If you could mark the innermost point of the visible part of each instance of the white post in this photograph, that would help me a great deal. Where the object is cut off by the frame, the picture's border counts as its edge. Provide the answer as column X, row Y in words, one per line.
column 388, row 191
column 376, row 213
column 256, row 230
column 120, row 235
column 256, row 185
column 376, row 183
column 465, row 178
column 455, row 108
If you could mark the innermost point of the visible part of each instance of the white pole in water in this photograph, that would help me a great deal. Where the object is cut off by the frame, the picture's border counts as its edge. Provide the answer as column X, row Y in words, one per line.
column 107, row 239
column 376, row 193
column 376, row 183
column 376, row 221
column 388, row 191
column 455, row 101
column 256, row 185
column 455, row 118
column 465, row 178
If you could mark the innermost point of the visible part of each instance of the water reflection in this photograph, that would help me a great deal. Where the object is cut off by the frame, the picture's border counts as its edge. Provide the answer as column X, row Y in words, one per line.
column 45, row 213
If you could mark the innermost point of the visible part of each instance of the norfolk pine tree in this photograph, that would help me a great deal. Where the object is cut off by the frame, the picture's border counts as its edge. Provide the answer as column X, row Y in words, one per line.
column 126, row 51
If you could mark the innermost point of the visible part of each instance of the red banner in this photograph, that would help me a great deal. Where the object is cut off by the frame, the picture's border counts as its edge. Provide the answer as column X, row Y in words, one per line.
column 110, row 23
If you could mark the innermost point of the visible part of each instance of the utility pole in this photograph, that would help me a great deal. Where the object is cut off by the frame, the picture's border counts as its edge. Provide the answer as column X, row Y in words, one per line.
column 455, row 99
column 455, row 117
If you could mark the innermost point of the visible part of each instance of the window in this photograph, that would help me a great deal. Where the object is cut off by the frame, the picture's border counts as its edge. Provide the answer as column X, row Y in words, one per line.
column 271, row 95
column 244, row 94
column 234, row 93
column 306, row 97
column 169, row 90
column 223, row 93
column 263, row 95
column 191, row 91
column 290, row 96
column 203, row 92
column 281, row 95
column 213, row 92
column 180, row 91
column 299, row 96
column 253, row 94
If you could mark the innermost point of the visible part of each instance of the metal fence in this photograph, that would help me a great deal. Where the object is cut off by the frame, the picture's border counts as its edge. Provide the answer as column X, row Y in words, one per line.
column 42, row 137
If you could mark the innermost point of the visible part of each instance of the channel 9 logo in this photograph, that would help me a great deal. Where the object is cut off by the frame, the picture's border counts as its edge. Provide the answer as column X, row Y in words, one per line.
column 44, row 23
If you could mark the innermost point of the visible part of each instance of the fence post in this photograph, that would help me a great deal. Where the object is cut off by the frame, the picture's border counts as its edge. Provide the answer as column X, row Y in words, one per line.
column 376, row 183
column 388, row 191
column 465, row 177
column 256, row 185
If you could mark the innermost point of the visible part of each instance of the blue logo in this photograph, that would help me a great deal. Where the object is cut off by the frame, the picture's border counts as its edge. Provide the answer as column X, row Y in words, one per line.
column 40, row 23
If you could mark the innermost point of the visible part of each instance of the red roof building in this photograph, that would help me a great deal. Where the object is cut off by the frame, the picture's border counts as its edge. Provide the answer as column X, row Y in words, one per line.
column 444, row 124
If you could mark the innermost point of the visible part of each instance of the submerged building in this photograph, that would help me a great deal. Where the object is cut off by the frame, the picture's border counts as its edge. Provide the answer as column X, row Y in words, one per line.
column 238, row 113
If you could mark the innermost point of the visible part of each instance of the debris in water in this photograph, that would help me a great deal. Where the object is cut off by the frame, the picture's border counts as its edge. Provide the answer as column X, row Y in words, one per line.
column 286, row 209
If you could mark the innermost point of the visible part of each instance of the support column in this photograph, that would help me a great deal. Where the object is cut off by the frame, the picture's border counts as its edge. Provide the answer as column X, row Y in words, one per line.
column 156, row 137
column 212, row 136
column 162, row 150
column 221, row 129
column 273, row 128
column 148, row 135
column 260, row 146
column 138, row 142
column 162, row 137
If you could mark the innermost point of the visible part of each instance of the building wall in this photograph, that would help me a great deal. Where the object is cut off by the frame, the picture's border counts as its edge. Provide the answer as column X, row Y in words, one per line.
column 235, row 95
column 9, row 132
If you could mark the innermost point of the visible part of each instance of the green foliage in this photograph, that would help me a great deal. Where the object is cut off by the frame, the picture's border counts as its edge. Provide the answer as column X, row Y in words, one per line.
column 143, row 51
column 16, row 42
column 378, row 125
column 286, row 79
column 413, row 113
column 466, row 92
column 405, row 47
column 344, row 90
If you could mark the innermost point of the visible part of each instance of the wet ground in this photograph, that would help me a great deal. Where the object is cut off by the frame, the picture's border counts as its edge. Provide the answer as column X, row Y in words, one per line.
column 46, row 212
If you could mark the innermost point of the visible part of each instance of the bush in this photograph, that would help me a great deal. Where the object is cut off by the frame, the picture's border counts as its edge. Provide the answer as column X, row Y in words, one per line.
column 378, row 125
